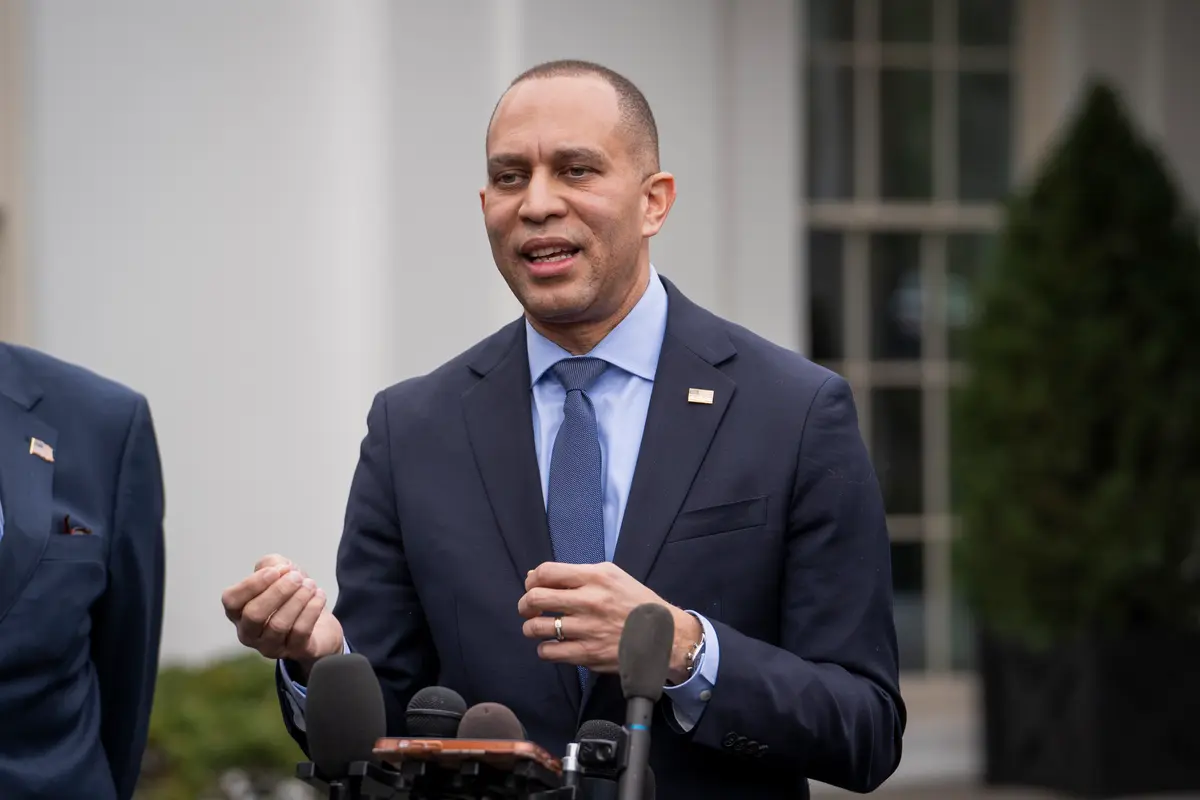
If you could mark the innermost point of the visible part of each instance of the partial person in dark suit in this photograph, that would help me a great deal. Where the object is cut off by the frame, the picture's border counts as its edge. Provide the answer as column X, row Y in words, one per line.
column 616, row 445
column 81, row 580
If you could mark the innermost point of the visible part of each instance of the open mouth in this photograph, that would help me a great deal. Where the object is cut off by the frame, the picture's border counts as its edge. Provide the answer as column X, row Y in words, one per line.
column 550, row 255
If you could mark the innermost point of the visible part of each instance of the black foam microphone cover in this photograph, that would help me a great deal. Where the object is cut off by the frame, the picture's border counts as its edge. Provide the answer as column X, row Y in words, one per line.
column 599, row 729
column 644, row 651
column 593, row 756
column 344, row 713
column 491, row 721
column 602, row 787
column 434, row 713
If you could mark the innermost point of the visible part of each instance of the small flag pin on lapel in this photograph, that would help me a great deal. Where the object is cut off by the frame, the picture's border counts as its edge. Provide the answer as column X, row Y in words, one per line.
column 40, row 449
column 704, row 396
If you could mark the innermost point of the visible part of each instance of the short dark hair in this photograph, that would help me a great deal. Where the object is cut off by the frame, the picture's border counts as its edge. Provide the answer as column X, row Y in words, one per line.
column 635, row 110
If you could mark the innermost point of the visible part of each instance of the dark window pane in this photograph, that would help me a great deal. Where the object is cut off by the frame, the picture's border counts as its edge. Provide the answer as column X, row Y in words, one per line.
column 966, row 260
column 831, row 20
column 906, row 134
column 984, row 135
column 956, row 472
column 825, row 315
column 985, row 23
column 906, row 21
column 908, row 589
column 897, row 449
column 962, row 635
column 896, row 296
column 830, row 132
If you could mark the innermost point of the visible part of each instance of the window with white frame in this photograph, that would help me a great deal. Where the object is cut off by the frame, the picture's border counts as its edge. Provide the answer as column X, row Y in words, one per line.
column 909, row 130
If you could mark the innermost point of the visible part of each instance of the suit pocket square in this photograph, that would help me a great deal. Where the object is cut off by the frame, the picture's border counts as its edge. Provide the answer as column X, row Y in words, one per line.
column 71, row 528
column 75, row 542
column 724, row 518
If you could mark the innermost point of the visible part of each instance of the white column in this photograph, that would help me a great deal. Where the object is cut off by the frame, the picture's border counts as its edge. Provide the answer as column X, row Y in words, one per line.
column 762, row 109
column 1145, row 50
column 212, row 210
column 1180, row 97
column 507, row 62
column 14, row 310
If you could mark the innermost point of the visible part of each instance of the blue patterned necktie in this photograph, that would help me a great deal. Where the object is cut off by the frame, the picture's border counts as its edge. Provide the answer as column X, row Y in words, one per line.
column 575, row 500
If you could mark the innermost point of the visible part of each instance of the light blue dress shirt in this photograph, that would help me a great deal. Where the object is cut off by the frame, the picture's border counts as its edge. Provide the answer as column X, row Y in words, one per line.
column 621, row 397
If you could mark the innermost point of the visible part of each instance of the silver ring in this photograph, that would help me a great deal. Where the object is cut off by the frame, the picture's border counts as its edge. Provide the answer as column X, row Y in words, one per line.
column 558, row 634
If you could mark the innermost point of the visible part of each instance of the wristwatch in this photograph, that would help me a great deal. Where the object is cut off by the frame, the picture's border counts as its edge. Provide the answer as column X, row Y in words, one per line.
column 693, row 655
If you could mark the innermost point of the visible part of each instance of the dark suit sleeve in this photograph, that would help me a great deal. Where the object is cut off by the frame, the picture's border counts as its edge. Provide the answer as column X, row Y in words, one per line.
column 128, row 621
column 826, row 702
column 377, row 604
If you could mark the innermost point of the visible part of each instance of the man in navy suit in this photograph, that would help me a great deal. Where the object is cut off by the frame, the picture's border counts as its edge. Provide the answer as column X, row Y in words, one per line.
column 616, row 445
column 81, row 580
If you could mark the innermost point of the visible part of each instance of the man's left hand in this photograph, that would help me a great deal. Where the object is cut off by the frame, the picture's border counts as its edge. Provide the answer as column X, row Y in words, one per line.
column 593, row 601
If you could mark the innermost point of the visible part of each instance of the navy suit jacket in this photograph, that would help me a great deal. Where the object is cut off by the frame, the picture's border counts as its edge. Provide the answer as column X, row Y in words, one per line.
column 760, row 511
column 80, row 614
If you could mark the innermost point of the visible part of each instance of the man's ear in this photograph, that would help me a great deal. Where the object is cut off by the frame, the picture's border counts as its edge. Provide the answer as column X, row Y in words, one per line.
column 660, row 196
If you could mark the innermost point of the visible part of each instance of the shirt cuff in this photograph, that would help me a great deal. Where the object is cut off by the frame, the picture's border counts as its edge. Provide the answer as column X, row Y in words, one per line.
column 689, row 699
column 297, row 694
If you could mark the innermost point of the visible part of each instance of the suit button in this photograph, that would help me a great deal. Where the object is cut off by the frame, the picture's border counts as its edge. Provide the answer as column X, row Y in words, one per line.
column 740, row 744
column 730, row 740
column 762, row 749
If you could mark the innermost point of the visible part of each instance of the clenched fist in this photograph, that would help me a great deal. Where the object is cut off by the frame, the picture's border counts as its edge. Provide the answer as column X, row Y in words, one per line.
column 280, row 612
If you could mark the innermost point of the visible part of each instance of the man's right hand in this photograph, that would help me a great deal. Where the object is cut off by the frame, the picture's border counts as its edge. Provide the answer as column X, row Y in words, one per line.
column 280, row 612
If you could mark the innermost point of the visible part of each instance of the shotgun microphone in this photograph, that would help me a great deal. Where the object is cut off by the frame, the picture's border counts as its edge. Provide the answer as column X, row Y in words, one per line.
column 643, row 660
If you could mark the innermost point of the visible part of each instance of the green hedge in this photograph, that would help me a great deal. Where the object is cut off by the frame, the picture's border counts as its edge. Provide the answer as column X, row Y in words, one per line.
column 210, row 719
column 1077, row 434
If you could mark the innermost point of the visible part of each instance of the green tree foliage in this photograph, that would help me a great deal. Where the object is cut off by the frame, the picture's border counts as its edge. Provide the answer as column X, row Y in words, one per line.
column 214, row 718
column 1077, row 434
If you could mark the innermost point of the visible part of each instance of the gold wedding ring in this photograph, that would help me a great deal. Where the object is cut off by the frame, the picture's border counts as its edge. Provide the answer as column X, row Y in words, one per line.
column 558, row 634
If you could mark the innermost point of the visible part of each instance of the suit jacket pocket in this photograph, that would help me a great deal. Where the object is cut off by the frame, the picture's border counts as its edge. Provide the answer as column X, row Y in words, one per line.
column 727, row 517
column 74, row 547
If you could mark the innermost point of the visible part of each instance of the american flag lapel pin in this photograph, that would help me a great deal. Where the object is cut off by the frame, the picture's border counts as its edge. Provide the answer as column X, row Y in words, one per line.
column 703, row 396
column 40, row 449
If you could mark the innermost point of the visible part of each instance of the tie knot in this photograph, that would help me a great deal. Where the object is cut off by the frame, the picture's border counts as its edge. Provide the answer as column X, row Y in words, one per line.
column 578, row 373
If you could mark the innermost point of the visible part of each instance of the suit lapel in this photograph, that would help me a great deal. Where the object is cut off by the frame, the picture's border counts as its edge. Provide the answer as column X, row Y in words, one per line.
column 677, row 433
column 499, row 418
column 676, row 438
column 26, row 481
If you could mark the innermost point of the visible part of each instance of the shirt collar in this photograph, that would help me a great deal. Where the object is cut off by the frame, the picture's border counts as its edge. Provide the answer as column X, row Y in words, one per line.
column 633, row 345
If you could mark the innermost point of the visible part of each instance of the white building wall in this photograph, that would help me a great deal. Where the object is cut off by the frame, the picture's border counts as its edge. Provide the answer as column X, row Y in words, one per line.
column 1181, row 97
column 212, row 224
column 260, row 214
column 1147, row 50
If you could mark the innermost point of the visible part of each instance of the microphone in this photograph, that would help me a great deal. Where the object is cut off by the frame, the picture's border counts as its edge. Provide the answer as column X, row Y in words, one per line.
column 490, row 721
column 643, row 660
column 600, row 753
column 344, row 716
column 434, row 713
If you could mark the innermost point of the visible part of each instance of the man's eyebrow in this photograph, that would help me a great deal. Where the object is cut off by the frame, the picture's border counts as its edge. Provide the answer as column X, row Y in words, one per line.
column 501, row 160
column 587, row 154
column 580, row 154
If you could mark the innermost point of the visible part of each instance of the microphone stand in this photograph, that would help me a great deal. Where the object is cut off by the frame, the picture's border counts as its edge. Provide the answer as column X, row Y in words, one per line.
column 470, row 780
column 364, row 780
